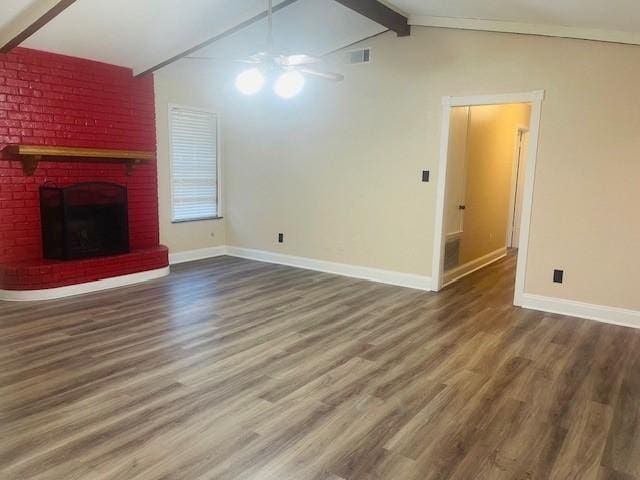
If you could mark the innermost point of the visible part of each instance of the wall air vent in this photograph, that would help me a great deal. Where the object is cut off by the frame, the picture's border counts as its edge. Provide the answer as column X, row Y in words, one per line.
column 362, row 55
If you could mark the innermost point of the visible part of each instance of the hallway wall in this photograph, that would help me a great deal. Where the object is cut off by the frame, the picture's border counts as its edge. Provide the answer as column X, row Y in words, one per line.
column 491, row 147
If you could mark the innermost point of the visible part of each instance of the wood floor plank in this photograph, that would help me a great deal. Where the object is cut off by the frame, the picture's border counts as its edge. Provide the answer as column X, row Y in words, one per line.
column 234, row 369
column 623, row 444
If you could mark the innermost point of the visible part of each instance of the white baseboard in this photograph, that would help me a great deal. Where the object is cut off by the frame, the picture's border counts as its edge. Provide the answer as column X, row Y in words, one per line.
column 193, row 255
column 463, row 270
column 453, row 235
column 601, row 313
column 408, row 280
column 72, row 290
column 612, row 315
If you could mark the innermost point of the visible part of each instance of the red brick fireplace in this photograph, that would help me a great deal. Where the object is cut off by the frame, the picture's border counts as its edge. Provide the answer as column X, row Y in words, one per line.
column 58, row 101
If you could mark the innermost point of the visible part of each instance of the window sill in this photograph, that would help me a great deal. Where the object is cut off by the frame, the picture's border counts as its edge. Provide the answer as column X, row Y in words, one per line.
column 203, row 219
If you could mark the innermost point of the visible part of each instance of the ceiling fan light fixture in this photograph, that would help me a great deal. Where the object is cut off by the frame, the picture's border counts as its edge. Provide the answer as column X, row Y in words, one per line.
column 289, row 84
column 250, row 81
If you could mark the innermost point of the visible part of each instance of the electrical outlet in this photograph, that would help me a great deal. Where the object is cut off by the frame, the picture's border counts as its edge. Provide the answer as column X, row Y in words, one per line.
column 425, row 175
column 281, row 238
column 558, row 276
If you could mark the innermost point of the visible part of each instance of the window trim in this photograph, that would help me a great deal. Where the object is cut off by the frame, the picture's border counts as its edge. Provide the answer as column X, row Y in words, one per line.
column 219, row 193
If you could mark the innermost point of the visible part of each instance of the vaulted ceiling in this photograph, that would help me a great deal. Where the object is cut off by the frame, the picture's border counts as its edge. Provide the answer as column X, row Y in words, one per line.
column 612, row 15
column 143, row 33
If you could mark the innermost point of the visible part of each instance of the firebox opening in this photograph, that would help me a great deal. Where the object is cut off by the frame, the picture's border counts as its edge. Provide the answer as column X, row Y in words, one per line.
column 85, row 220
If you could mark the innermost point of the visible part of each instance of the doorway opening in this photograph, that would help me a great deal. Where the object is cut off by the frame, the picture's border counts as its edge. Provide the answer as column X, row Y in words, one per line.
column 488, row 157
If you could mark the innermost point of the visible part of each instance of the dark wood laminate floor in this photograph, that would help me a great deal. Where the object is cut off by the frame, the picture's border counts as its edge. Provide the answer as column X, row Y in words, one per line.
column 232, row 369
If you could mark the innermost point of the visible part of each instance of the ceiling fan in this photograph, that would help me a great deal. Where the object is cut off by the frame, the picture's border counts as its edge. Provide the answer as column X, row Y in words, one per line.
column 289, row 71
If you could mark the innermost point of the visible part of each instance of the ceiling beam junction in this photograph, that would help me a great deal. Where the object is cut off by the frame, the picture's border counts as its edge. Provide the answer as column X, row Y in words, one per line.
column 30, row 21
column 381, row 14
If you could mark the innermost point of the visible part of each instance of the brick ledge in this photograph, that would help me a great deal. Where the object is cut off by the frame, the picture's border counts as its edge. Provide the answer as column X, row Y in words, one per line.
column 83, row 288
column 47, row 274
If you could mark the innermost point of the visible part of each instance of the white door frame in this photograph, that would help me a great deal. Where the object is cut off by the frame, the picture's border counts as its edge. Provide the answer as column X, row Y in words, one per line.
column 515, row 174
column 535, row 99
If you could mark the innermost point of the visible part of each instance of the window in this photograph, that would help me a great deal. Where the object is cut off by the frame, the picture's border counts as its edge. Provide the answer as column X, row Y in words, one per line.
column 194, row 164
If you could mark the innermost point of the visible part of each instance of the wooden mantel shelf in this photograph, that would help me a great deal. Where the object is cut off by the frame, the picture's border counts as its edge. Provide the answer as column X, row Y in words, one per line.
column 30, row 155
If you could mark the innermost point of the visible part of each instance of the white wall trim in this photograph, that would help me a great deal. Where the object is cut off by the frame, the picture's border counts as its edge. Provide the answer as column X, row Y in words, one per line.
column 389, row 277
column 495, row 99
column 89, row 287
column 439, row 240
column 193, row 255
column 453, row 235
column 601, row 313
column 545, row 30
column 527, row 201
column 457, row 273
column 535, row 98
column 612, row 315
column 521, row 130
column 401, row 279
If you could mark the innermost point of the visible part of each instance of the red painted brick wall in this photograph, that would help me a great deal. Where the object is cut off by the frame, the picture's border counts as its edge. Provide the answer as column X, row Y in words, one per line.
column 48, row 99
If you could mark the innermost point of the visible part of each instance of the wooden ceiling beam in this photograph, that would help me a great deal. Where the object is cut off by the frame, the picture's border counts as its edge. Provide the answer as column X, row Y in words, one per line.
column 380, row 13
column 30, row 21
column 216, row 38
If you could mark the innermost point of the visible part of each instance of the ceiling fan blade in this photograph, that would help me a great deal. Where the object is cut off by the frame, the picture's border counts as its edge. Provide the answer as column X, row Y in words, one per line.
column 334, row 77
column 220, row 59
column 294, row 60
column 261, row 56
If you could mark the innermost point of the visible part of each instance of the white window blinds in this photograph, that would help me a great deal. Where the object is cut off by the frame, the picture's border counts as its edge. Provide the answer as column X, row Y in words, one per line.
column 194, row 164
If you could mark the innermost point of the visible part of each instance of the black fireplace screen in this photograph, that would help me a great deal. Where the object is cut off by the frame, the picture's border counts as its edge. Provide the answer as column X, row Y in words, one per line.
column 84, row 220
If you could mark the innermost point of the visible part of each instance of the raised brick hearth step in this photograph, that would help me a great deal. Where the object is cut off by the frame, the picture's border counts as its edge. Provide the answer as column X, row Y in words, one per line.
column 44, row 274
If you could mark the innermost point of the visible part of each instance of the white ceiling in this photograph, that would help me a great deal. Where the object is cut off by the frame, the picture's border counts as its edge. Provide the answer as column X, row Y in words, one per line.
column 139, row 33
column 621, row 15
column 297, row 29
column 143, row 33
column 11, row 9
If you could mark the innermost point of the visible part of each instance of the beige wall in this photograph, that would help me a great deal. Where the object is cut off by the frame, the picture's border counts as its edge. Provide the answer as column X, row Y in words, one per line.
column 491, row 146
column 338, row 169
column 183, row 86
